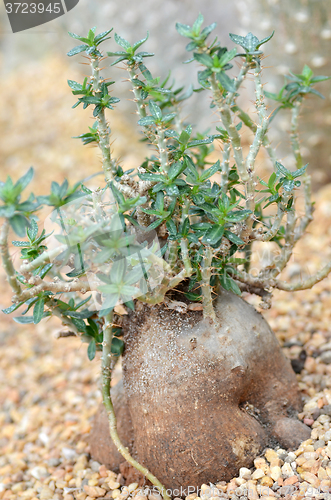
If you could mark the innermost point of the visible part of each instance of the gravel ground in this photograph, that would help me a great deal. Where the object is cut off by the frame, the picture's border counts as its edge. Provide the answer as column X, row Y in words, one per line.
column 49, row 389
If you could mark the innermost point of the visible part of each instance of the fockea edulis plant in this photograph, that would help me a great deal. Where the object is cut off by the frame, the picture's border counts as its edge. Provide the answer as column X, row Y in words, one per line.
column 177, row 222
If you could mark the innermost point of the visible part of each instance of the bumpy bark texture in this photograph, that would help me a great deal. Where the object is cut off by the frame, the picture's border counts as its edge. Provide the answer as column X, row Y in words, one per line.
column 205, row 400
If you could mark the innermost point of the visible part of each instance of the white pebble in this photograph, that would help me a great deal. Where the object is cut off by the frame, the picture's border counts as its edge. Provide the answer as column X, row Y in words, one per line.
column 245, row 473
column 39, row 472
column 69, row 453
column 257, row 474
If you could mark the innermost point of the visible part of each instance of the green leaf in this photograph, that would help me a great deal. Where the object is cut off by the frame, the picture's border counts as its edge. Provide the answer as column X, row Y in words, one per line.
column 91, row 350
column 45, row 270
column 171, row 226
column 226, row 82
column 118, row 270
column 227, row 57
column 19, row 223
column 282, row 169
column 140, row 42
column 229, row 284
column 194, row 297
column 102, row 35
column 79, row 324
column 77, row 50
column 23, row 320
column 74, row 85
column 176, row 169
column 300, row 171
column 80, row 314
column 25, row 179
column 214, row 235
column 155, row 110
column 288, row 184
column 204, row 59
column 251, row 42
column 184, row 30
column 321, row 78
column 94, row 327
column 20, row 243
column 237, row 215
column 307, row 72
column 155, row 224
column 234, row 238
column 146, row 121
column 200, row 142
column 38, row 311
column 90, row 35
column 185, row 135
column 239, row 40
column 208, row 29
column 12, row 308
column 211, row 171
column 7, row 211
column 117, row 346
column 77, row 37
column 122, row 42
column 32, row 231
column 265, row 40
column 197, row 24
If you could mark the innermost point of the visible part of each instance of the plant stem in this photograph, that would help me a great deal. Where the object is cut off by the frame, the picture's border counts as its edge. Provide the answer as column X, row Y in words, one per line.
column 137, row 92
column 261, row 129
column 6, row 259
column 268, row 235
column 225, row 167
column 184, row 241
column 280, row 261
column 294, row 133
column 230, row 127
column 173, row 252
column 58, row 287
column 108, row 164
column 107, row 360
column 299, row 163
column 207, row 301
column 307, row 283
column 45, row 258
column 162, row 150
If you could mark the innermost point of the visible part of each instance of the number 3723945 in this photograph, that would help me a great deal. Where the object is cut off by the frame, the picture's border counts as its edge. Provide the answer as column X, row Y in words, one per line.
column 33, row 8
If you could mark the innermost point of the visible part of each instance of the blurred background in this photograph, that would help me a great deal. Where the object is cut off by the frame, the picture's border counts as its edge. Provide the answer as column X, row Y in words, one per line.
column 37, row 121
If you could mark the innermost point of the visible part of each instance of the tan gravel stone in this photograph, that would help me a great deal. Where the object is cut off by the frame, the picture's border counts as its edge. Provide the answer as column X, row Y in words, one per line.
column 245, row 473
column 266, row 481
column 287, row 470
column 113, row 485
column 94, row 491
column 271, row 455
column 257, row 474
column 252, row 491
column 311, row 479
column 291, row 480
column 275, row 473
column 46, row 493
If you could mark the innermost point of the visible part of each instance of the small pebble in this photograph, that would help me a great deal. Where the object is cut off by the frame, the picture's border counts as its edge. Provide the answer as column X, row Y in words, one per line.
column 308, row 421
column 326, row 357
column 69, row 453
column 39, row 472
column 326, row 410
column 94, row 491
